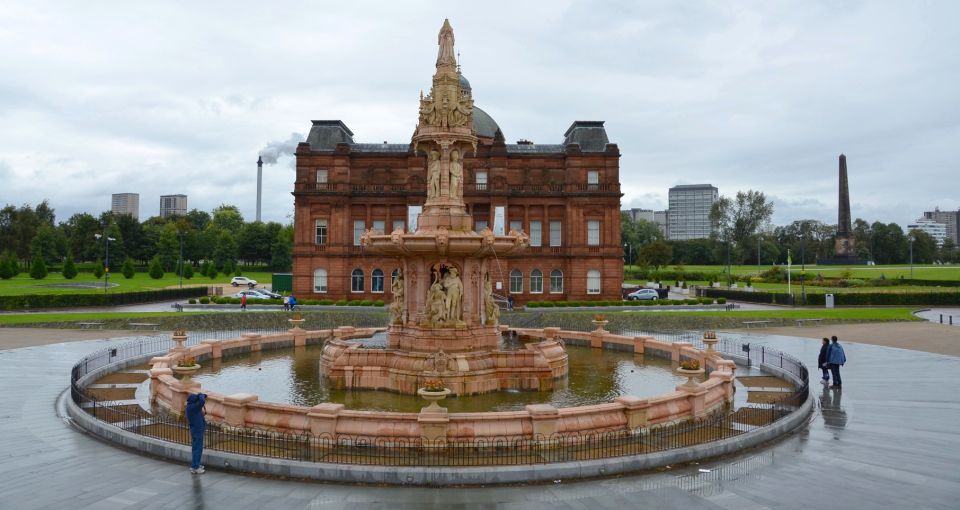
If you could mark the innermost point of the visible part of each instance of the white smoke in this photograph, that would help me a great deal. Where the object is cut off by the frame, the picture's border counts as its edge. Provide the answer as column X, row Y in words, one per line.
column 273, row 150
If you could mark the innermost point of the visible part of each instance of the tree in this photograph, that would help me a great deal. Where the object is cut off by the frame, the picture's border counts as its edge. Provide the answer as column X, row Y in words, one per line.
column 69, row 268
column 6, row 272
column 282, row 250
column 948, row 252
column 225, row 250
column 255, row 242
column 47, row 244
column 656, row 254
column 98, row 270
column 168, row 247
column 188, row 271
column 38, row 269
column 80, row 232
column 738, row 221
column 924, row 246
column 227, row 218
column 156, row 269
column 212, row 272
column 128, row 270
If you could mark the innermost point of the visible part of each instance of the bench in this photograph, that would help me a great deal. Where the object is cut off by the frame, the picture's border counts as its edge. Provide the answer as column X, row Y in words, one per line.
column 801, row 321
column 88, row 325
column 138, row 325
column 749, row 324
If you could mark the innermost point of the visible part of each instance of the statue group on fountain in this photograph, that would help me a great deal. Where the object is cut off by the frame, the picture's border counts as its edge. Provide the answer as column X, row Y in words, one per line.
column 435, row 177
column 396, row 307
column 444, row 300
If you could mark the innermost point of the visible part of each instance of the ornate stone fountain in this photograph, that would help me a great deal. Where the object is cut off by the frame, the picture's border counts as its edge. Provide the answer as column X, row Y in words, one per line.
column 443, row 319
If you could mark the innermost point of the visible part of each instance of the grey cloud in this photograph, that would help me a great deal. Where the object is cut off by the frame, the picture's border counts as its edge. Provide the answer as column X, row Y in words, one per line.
column 276, row 149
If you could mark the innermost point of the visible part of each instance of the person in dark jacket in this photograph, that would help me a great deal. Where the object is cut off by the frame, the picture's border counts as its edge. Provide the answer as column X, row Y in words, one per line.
column 822, row 361
column 198, row 424
column 836, row 359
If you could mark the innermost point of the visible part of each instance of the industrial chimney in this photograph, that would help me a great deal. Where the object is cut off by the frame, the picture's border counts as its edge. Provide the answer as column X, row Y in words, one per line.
column 259, row 184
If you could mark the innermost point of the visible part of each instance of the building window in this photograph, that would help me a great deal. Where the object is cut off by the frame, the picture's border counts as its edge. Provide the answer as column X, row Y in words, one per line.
column 593, row 281
column 376, row 281
column 359, row 226
column 379, row 225
column 516, row 281
column 322, row 179
column 593, row 179
column 536, row 281
column 593, row 232
column 516, row 225
column 393, row 276
column 480, row 225
column 556, row 282
column 481, row 180
column 320, row 280
column 321, row 231
column 356, row 280
column 536, row 233
column 555, row 233
column 397, row 225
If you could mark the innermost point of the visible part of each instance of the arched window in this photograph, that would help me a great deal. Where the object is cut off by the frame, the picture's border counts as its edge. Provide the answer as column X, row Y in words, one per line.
column 376, row 281
column 536, row 281
column 593, row 281
column 516, row 281
column 320, row 280
column 556, row 281
column 356, row 280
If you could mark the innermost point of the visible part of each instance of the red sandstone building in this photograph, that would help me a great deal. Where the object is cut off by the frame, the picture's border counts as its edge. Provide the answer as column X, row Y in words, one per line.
column 565, row 196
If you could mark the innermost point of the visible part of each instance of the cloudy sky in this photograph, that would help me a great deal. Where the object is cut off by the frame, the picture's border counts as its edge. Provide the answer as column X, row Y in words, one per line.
column 180, row 97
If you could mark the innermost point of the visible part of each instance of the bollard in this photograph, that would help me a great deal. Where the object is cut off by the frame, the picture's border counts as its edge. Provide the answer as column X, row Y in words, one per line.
column 941, row 318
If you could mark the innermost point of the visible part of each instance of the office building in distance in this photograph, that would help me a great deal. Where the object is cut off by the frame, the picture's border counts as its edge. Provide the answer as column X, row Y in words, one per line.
column 688, row 214
column 173, row 205
column 126, row 203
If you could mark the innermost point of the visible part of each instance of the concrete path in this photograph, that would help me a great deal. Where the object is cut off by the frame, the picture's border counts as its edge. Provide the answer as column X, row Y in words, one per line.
column 888, row 440
column 919, row 336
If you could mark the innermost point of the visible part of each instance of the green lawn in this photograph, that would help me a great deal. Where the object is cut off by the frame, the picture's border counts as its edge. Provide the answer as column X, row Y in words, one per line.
column 920, row 272
column 11, row 319
column 23, row 284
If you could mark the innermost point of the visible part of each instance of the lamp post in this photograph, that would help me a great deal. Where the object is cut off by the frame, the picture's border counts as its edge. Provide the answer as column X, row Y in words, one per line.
column 180, row 237
column 911, row 257
column 106, row 262
column 627, row 249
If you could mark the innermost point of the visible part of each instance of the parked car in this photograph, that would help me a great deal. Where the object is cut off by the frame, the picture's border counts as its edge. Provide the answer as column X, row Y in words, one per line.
column 643, row 294
column 251, row 294
column 243, row 280
column 269, row 294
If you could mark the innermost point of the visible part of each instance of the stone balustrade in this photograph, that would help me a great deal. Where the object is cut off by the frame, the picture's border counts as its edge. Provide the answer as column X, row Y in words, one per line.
column 331, row 420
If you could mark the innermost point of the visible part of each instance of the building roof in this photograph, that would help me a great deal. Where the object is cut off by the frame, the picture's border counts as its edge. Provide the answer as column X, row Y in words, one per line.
column 483, row 123
column 589, row 134
column 326, row 134
column 679, row 187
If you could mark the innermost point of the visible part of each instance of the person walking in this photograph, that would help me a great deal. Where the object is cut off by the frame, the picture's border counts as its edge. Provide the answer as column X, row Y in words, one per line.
column 509, row 302
column 243, row 302
column 196, row 410
column 836, row 359
column 822, row 361
column 286, row 303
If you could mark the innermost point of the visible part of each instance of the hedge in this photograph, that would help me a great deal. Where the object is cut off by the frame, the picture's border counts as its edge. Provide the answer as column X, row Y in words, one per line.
column 840, row 299
column 659, row 302
column 26, row 301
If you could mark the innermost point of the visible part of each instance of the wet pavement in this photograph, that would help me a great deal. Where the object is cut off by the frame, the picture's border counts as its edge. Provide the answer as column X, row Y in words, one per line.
column 889, row 439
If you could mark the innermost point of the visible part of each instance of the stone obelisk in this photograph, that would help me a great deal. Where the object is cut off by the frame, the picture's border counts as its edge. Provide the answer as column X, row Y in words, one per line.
column 844, row 242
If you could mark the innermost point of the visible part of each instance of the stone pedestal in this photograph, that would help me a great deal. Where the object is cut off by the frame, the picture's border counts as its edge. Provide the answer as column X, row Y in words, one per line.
column 323, row 420
column 216, row 348
column 433, row 425
column 691, row 385
column 636, row 411
column 255, row 341
column 235, row 408
column 544, row 417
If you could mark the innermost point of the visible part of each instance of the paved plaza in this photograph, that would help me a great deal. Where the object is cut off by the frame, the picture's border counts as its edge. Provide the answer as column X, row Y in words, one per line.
column 890, row 440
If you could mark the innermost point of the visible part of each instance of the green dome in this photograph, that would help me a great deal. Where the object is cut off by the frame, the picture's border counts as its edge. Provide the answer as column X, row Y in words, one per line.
column 484, row 124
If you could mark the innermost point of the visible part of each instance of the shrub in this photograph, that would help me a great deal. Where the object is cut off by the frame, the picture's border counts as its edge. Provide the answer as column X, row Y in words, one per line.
column 156, row 270
column 722, row 301
column 98, row 270
column 378, row 302
column 192, row 301
column 127, row 268
column 354, row 302
column 326, row 302
column 204, row 301
column 341, row 302
column 533, row 304
column 205, row 268
column 211, row 272
column 6, row 272
column 228, row 268
column 188, row 271
column 38, row 269
column 69, row 268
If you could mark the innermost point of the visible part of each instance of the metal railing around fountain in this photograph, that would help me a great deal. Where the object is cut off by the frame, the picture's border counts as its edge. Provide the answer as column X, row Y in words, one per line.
column 415, row 452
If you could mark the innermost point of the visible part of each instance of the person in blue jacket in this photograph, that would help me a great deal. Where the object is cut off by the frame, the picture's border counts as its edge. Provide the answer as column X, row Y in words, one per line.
column 836, row 359
column 198, row 424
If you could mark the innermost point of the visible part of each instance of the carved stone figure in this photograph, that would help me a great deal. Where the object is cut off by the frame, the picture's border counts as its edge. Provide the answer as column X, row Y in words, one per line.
column 454, row 295
column 438, row 362
column 445, row 39
column 456, row 174
column 436, row 310
column 460, row 113
column 428, row 111
column 433, row 174
column 490, row 306
column 397, row 306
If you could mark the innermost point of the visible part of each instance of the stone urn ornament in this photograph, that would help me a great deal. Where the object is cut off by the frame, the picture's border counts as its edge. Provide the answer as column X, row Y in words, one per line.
column 600, row 321
column 180, row 338
column 691, row 369
column 297, row 321
column 710, row 339
column 433, row 391
column 186, row 367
